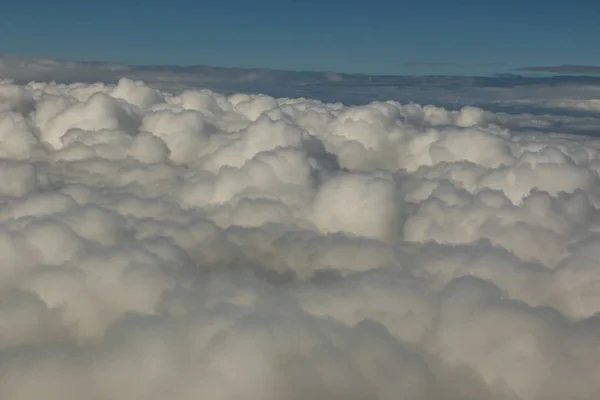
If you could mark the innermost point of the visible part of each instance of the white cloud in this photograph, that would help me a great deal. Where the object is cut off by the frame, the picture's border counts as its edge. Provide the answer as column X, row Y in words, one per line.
column 190, row 245
column 357, row 204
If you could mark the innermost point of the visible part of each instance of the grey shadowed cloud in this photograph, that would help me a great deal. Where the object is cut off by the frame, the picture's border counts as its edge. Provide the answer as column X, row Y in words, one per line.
column 565, row 69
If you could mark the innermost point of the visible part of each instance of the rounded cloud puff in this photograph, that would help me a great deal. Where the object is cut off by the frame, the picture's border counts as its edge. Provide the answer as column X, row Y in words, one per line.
column 196, row 245
column 100, row 111
column 357, row 204
column 181, row 131
column 17, row 137
column 136, row 93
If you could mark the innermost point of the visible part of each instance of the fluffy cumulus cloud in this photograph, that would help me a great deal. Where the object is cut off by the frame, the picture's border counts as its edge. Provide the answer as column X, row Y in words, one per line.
column 198, row 245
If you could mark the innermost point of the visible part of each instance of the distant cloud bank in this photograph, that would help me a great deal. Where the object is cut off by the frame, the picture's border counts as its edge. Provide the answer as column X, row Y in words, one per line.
column 565, row 69
column 549, row 95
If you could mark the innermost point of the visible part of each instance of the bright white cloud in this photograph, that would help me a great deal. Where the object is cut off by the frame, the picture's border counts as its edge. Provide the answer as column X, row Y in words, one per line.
column 196, row 245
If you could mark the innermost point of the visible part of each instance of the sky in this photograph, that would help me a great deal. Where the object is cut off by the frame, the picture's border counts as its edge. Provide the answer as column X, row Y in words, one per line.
column 377, row 37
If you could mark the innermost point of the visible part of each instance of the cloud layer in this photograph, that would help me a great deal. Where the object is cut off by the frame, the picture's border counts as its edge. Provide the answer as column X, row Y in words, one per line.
column 200, row 245
column 565, row 69
column 546, row 97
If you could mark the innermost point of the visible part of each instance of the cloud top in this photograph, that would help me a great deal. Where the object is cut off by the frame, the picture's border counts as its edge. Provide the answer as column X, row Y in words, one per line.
column 195, row 244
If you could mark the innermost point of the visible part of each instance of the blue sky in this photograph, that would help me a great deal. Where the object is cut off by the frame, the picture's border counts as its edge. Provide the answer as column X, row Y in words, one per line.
column 375, row 37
